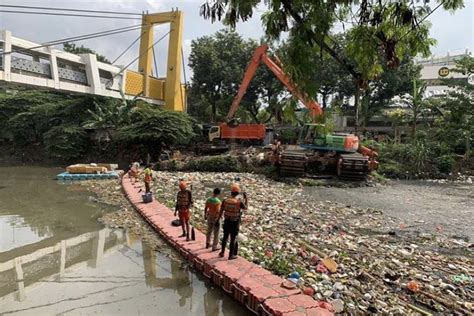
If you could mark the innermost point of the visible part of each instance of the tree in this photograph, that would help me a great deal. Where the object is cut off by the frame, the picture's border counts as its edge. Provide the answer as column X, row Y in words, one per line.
column 416, row 103
column 63, row 124
column 218, row 63
column 395, row 28
column 457, row 122
column 155, row 129
column 397, row 117
column 334, row 83
column 73, row 49
column 390, row 84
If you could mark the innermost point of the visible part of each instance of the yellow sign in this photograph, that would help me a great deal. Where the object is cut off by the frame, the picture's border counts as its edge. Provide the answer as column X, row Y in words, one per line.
column 443, row 71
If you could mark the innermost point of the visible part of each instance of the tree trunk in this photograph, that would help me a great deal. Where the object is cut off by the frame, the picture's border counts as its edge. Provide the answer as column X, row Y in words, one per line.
column 356, row 106
column 214, row 112
column 413, row 124
column 365, row 110
column 324, row 100
column 467, row 152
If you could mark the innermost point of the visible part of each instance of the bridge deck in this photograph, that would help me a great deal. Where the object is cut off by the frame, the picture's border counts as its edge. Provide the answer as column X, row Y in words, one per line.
column 26, row 63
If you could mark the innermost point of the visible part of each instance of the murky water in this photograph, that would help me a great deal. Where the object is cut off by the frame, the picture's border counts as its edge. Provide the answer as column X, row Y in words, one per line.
column 56, row 259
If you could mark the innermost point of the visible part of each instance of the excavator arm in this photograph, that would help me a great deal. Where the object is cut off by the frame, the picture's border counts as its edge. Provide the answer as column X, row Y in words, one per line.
column 260, row 55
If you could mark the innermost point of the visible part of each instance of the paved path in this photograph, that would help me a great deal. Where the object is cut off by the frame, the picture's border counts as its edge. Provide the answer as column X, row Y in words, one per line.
column 251, row 285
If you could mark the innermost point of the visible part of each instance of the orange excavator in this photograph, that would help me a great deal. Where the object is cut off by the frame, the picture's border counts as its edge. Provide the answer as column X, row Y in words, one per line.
column 317, row 152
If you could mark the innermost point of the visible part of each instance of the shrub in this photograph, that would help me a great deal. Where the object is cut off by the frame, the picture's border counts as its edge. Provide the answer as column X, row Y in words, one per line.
column 392, row 169
column 445, row 163
column 66, row 142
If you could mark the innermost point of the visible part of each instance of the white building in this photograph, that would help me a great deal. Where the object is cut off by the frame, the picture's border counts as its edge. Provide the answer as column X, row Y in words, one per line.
column 439, row 67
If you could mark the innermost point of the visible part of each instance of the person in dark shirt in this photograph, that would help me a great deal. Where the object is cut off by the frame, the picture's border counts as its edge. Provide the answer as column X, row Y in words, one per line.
column 231, row 209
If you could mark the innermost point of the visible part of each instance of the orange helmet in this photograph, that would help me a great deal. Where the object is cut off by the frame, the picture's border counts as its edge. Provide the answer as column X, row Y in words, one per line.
column 235, row 188
column 183, row 185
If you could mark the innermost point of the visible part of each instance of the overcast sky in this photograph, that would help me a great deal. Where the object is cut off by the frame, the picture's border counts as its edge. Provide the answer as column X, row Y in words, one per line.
column 454, row 32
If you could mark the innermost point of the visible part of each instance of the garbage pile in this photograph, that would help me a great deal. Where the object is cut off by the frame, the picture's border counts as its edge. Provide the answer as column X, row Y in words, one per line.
column 359, row 260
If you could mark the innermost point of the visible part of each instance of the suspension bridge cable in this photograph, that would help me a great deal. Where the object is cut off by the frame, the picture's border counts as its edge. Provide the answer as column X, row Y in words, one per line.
column 154, row 61
column 184, row 68
column 71, row 14
column 131, row 27
column 76, row 39
column 424, row 18
column 129, row 46
column 65, row 9
column 130, row 63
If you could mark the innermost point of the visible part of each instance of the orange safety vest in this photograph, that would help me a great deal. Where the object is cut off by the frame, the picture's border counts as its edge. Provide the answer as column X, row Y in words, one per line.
column 183, row 200
column 148, row 177
column 232, row 209
column 213, row 206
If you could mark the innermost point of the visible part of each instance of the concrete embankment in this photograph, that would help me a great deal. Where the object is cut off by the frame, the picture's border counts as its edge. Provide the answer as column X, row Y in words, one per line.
column 251, row 285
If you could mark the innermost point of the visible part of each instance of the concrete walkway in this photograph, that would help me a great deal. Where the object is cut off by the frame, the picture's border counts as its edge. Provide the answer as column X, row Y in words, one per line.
column 251, row 285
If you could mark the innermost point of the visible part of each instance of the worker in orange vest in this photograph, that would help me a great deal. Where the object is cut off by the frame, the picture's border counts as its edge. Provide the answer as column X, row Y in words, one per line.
column 133, row 172
column 211, row 215
column 231, row 208
column 184, row 202
column 148, row 178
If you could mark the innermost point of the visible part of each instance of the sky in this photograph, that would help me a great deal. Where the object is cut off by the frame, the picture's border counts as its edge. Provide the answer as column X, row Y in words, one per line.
column 454, row 32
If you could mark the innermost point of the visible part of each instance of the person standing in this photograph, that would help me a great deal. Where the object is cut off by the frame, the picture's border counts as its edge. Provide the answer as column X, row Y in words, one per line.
column 231, row 208
column 184, row 202
column 148, row 178
column 133, row 172
column 211, row 214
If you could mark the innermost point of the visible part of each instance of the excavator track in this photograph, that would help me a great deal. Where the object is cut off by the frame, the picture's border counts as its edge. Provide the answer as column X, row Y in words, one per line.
column 293, row 164
column 353, row 167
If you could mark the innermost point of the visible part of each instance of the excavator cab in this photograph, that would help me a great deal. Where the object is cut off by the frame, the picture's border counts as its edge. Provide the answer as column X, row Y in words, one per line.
column 316, row 137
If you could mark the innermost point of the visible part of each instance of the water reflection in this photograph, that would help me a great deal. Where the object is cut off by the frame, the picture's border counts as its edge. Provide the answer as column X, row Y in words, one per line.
column 23, row 271
column 178, row 279
column 15, row 232
column 99, row 262
column 57, row 259
column 35, row 208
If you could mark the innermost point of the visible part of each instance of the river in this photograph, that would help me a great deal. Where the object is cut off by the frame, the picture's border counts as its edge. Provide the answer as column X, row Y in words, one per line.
column 55, row 258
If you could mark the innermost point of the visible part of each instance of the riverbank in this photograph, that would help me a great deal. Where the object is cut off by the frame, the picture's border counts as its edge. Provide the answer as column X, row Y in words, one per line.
column 365, row 242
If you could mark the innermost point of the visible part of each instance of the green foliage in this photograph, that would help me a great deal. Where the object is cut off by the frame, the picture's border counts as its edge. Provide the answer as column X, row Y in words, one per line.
column 64, row 124
column 382, row 33
column 445, row 163
column 457, row 122
column 66, row 142
column 74, row 49
column 423, row 157
column 289, row 135
column 326, row 79
column 280, row 263
column 218, row 63
column 156, row 127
